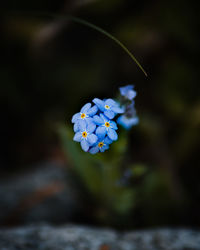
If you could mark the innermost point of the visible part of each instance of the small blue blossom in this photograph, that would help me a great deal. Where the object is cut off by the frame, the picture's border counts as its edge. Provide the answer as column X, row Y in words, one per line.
column 86, row 135
column 129, row 118
column 128, row 92
column 101, row 145
column 105, row 127
column 127, row 122
column 86, row 114
column 109, row 107
column 95, row 128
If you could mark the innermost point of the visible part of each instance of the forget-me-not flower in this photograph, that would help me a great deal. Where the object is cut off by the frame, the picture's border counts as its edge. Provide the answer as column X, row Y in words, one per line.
column 86, row 135
column 101, row 145
column 109, row 107
column 127, row 122
column 128, row 92
column 85, row 114
column 105, row 126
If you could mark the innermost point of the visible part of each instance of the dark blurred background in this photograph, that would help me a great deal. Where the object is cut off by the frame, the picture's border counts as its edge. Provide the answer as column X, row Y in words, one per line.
column 51, row 66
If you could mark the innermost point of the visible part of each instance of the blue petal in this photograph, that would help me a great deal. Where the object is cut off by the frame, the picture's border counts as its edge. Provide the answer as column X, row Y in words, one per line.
column 105, row 119
column 92, row 111
column 110, row 114
column 84, row 145
column 101, row 132
column 124, row 90
column 118, row 110
column 76, row 117
column 128, row 92
column 131, row 94
column 88, row 120
column 113, row 125
column 126, row 122
column 110, row 102
column 77, row 137
column 91, row 127
column 76, row 127
column 98, row 120
column 112, row 134
column 82, row 125
column 107, row 140
column 86, row 107
column 105, row 147
column 100, row 104
column 94, row 150
column 92, row 139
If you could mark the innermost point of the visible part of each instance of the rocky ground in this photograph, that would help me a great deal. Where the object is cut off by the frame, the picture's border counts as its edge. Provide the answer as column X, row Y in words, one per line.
column 30, row 200
column 71, row 237
column 34, row 196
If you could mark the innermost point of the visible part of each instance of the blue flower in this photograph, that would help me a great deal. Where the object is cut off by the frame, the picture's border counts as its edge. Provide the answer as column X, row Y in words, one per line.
column 109, row 107
column 127, row 122
column 128, row 92
column 105, row 126
column 86, row 114
column 101, row 145
column 86, row 135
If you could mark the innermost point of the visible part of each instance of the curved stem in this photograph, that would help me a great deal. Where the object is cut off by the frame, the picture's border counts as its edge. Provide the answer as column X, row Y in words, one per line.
column 88, row 24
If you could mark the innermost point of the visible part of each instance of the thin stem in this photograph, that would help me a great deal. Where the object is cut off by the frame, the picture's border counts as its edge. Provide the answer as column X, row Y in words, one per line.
column 88, row 24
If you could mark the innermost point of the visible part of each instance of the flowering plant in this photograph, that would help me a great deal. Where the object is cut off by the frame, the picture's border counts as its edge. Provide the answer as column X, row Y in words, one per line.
column 95, row 127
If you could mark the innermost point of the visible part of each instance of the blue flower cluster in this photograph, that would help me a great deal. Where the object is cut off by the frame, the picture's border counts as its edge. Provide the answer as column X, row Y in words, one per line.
column 94, row 126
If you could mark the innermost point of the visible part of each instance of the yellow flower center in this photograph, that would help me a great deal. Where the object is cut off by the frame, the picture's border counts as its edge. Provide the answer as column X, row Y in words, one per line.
column 107, row 124
column 83, row 115
column 84, row 134
column 107, row 106
column 100, row 145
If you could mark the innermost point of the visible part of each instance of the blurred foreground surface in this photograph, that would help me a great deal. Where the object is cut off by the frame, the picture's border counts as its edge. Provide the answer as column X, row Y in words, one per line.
column 81, row 238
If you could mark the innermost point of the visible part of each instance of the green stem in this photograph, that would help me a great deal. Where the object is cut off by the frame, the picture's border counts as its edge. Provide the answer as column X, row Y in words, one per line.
column 88, row 24
column 81, row 21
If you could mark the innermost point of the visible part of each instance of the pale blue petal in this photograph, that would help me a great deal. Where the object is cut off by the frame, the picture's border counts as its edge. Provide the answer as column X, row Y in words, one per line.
column 128, row 92
column 110, row 114
column 89, row 120
column 98, row 120
column 92, row 139
column 84, row 145
column 86, row 107
column 105, row 147
column 113, row 125
column 107, row 140
column 134, row 121
column 112, row 134
column 76, row 127
column 82, row 125
column 77, row 137
column 100, row 104
column 91, row 127
column 105, row 119
column 131, row 94
column 124, row 90
column 101, row 132
column 92, row 111
column 76, row 117
column 94, row 150
column 126, row 122
column 110, row 102
column 118, row 110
